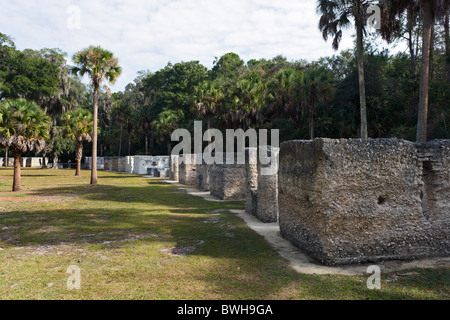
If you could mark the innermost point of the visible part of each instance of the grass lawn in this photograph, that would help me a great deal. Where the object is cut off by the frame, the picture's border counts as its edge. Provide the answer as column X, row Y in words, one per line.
column 136, row 238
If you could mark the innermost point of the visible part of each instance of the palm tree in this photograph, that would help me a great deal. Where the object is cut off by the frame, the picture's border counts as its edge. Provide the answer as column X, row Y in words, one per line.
column 6, row 125
column 431, row 10
column 316, row 87
column 28, row 128
column 283, row 94
column 165, row 124
column 208, row 96
column 78, row 126
column 336, row 16
column 99, row 64
column 249, row 99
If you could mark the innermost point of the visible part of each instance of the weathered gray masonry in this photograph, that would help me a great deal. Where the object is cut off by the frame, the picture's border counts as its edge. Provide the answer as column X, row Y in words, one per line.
column 340, row 201
column 353, row 201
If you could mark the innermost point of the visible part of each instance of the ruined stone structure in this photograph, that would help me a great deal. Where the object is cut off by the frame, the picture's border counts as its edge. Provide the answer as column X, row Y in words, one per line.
column 251, row 180
column 203, row 175
column 262, row 183
column 34, row 162
column 434, row 158
column 10, row 162
column 187, row 172
column 174, row 168
column 129, row 164
column 267, row 194
column 100, row 163
column 353, row 201
column 25, row 162
column 227, row 181
column 108, row 164
column 143, row 165
column 121, row 164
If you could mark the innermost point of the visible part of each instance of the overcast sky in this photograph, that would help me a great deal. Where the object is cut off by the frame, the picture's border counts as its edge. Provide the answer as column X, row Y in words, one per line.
column 147, row 34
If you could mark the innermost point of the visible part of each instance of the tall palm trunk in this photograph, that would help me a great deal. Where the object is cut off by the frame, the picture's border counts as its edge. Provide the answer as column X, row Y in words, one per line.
column 169, row 146
column 17, row 173
column 79, row 156
column 208, row 124
column 94, row 177
column 152, row 142
column 44, row 162
column 311, row 125
column 361, row 78
column 146, row 134
column 6, row 157
column 422, row 133
column 120, row 142
column 129, row 143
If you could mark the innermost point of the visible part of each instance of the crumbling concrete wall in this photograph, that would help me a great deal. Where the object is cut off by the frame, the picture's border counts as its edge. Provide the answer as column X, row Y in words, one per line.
column 434, row 158
column 10, row 162
column 267, row 194
column 121, row 164
column 227, row 181
column 160, row 167
column 115, row 164
column 251, row 181
column 129, row 164
column 187, row 172
column 34, row 162
column 353, row 201
column 100, row 163
column 108, row 164
column 174, row 168
column 262, row 183
column 203, row 175
column 142, row 164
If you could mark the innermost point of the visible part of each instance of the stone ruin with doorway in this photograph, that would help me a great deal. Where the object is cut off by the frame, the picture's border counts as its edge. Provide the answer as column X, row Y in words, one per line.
column 355, row 201
column 340, row 201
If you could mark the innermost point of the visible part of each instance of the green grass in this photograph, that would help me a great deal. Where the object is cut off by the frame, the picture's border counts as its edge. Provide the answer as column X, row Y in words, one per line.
column 136, row 238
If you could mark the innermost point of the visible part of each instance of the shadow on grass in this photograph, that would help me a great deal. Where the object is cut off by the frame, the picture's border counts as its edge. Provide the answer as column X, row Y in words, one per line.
column 84, row 226
column 154, row 192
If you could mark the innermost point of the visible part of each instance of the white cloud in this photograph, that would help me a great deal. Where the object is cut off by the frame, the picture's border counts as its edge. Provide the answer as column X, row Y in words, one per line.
column 148, row 34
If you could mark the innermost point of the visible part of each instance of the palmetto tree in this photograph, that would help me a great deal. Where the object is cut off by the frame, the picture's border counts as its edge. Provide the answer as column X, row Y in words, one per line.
column 27, row 129
column 208, row 96
column 430, row 10
column 316, row 87
column 99, row 64
column 78, row 126
column 283, row 93
column 249, row 100
column 6, row 125
column 337, row 15
column 165, row 124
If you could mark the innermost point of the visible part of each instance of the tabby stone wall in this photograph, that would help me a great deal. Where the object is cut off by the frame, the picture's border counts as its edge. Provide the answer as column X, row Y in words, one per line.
column 267, row 194
column 354, row 201
column 174, row 168
column 227, row 181
column 203, row 176
column 251, row 181
column 187, row 172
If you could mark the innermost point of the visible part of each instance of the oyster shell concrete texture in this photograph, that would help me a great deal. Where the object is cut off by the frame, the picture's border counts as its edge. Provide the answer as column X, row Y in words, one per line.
column 354, row 201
